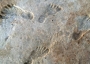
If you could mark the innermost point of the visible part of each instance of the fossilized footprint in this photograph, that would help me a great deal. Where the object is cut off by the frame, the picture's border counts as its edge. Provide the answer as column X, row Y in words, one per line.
column 5, row 10
column 83, row 27
column 40, row 51
column 51, row 9
column 12, row 10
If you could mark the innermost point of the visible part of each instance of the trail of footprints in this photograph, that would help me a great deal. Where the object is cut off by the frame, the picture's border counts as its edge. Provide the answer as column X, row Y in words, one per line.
column 40, row 51
column 12, row 10
column 51, row 9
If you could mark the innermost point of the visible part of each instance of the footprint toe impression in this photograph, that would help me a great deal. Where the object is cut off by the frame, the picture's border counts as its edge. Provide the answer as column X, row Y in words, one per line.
column 12, row 10
column 5, row 11
column 51, row 9
column 39, row 52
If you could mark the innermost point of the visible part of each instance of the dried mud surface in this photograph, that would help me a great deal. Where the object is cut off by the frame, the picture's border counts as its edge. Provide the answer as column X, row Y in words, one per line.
column 44, row 31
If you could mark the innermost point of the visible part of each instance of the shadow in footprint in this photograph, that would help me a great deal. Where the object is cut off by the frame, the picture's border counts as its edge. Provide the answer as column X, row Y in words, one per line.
column 11, row 10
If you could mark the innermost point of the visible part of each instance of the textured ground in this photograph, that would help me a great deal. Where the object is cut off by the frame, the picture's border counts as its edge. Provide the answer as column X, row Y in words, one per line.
column 45, row 32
